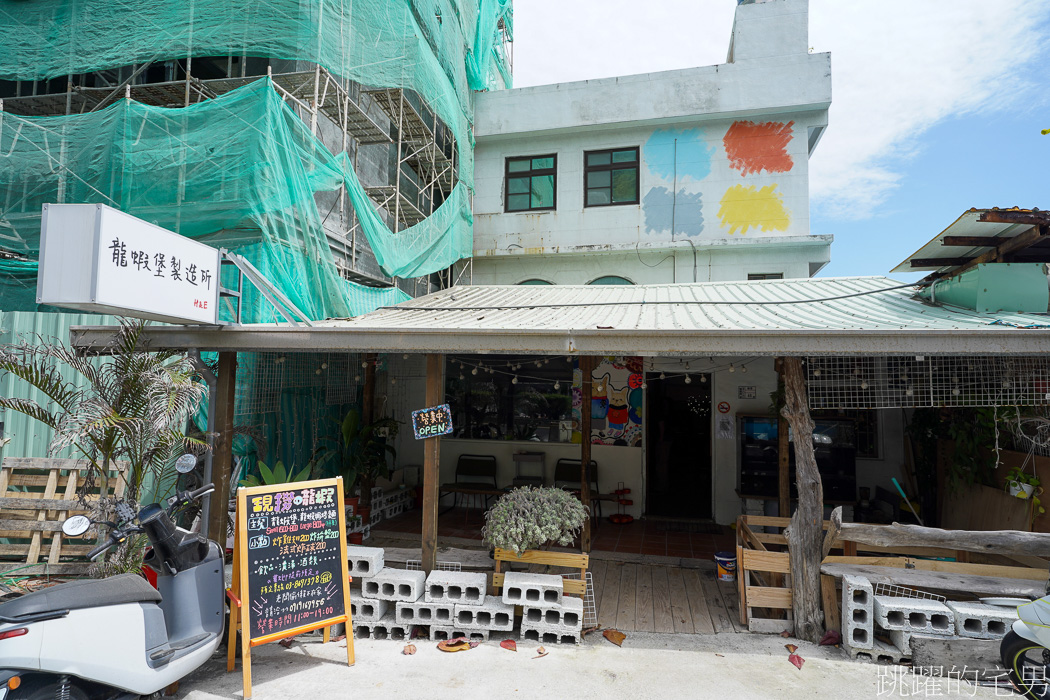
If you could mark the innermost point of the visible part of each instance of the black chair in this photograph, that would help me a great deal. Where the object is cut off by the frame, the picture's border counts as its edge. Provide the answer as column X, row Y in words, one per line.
column 567, row 474
column 472, row 472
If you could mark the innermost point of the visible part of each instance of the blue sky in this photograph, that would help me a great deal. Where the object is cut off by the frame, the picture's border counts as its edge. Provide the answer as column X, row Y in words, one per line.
column 937, row 104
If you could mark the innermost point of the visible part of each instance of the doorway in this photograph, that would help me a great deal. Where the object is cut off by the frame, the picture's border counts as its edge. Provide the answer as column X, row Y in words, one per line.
column 678, row 447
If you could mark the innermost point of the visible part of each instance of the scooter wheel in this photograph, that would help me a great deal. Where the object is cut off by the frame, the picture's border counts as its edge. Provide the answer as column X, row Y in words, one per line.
column 1026, row 662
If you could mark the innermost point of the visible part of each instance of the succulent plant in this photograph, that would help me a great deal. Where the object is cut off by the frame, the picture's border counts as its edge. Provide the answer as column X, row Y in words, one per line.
column 531, row 518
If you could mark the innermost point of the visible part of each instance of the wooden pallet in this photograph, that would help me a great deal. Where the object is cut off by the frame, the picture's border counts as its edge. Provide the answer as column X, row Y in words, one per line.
column 36, row 497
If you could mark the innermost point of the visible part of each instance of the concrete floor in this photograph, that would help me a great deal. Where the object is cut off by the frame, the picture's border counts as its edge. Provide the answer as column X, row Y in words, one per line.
column 654, row 666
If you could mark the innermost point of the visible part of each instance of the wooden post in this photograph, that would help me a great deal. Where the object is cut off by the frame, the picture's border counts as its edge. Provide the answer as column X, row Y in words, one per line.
column 783, row 453
column 368, row 397
column 805, row 534
column 432, row 464
column 222, row 460
column 586, row 369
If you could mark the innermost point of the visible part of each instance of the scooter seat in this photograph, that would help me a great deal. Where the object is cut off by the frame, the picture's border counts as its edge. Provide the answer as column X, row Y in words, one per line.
column 77, row 595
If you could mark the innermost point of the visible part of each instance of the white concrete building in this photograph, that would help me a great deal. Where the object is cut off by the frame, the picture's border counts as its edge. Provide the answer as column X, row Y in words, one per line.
column 690, row 175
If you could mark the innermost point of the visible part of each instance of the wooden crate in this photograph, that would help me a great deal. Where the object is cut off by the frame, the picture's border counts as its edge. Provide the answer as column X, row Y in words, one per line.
column 36, row 497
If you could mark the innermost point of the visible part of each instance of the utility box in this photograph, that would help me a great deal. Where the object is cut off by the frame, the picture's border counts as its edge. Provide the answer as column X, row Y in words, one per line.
column 96, row 258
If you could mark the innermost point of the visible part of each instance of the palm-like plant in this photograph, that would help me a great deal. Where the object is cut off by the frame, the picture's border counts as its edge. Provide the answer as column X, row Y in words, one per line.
column 362, row 450
column 133, row 406
column 278, row 475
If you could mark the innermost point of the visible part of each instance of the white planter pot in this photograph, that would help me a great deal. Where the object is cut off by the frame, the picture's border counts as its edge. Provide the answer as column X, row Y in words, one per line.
column 1016, row 488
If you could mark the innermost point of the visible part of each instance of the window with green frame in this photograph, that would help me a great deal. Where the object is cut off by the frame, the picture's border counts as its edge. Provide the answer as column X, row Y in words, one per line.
column 531, row 183
column 611, row 177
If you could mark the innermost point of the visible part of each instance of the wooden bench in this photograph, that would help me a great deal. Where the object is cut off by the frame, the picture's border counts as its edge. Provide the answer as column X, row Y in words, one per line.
column 567, row 560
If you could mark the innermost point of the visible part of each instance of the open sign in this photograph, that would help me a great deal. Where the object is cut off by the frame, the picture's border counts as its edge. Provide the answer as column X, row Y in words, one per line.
column 432, row 422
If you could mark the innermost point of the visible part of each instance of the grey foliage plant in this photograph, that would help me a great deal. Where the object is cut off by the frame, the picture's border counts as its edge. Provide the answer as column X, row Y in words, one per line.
column 532, row 518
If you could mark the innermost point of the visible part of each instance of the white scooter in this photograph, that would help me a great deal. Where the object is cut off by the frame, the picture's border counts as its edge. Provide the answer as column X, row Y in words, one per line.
column 1025, row 650
column 118, row 637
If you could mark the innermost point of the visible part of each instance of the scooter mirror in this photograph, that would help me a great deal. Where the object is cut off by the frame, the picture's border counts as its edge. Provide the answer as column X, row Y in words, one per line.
column 75, row 526
column 185, row 463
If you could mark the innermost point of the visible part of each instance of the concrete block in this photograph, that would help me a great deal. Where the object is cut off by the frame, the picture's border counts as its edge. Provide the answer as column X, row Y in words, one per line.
column 533, row 590
column 395, row 585
column 439, row 633
column 493, row 614
column 376, row 517
column 941, row 656
column 567, row 616
column 881, row 652
column 980, row 621
column 364, row 561
column 392, row 511
column 423, row 613
column 916, row 615
column 368, row 610
column 457, row 587
column 858, row 612
column 384, row 628
column 549, row 637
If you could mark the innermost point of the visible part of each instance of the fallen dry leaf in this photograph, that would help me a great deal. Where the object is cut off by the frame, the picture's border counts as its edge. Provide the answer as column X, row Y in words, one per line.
column 457, row 644
column 540, row 653
column 583, row 635
column 409, row 649
column 791, row 648
column 614, row 636
column 785, row 634
column 509, row 644
column 722, row 655
column 797, row 660
column 287, row 643
column 473, row 643
column 831, row 638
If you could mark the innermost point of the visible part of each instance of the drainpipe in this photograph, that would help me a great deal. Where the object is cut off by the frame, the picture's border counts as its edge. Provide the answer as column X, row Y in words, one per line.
column 212, row 381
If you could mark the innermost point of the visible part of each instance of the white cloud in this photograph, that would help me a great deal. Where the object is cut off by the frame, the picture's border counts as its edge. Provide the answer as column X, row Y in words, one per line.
column 898, row 68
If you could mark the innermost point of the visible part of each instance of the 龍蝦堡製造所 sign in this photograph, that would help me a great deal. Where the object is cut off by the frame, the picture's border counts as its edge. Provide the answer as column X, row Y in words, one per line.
column 432, row 422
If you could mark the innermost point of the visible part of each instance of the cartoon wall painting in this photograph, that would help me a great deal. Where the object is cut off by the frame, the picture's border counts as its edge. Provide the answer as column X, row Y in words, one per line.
column 616, row 403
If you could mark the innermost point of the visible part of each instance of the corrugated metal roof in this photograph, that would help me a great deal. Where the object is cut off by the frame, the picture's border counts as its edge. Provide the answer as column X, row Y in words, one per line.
column 847, row 303
column 851, row 315
column 969, row 224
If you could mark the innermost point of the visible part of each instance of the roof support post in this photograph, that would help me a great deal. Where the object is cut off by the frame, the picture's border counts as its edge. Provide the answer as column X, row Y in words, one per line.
column 222, row 462
column 435, row 393
column 368, row 403
column 805, row 533
column 586, row 369
column 783, row 451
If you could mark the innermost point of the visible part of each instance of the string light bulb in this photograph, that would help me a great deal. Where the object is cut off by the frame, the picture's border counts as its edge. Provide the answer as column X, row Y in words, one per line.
column 816, row 373
column 557, row 386
column 703, row 379
column 644, row 386
column 393, row 380
column 364, row 364
column 514, row 380
column 663, row 376
column 688, row 379
column 461, row 376
column 863, row 385
column 731, row 368
column 405, row 356
column 357, row 377
column 474, row 371
column 743, row 369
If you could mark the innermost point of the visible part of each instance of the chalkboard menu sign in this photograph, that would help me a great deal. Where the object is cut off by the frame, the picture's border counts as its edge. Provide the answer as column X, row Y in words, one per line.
column 290, row 571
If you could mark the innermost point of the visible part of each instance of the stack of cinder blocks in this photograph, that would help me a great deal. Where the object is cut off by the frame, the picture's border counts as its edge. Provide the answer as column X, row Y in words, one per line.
column 548, row 616
column 865, row 614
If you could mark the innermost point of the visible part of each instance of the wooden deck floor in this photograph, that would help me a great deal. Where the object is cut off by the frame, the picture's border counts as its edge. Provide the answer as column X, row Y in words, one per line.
column 634, row 597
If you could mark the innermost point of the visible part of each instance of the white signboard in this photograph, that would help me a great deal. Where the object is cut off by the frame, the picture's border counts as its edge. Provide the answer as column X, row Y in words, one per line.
column 96, row 258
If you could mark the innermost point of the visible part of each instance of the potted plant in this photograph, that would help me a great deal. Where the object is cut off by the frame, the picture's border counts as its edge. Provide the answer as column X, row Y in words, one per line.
column 362, row 450
column 278, row 475
column 1025, row 486
column 533, row 518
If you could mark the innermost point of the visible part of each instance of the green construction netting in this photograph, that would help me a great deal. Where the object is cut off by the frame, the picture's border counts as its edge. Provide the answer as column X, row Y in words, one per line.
column 240, row 171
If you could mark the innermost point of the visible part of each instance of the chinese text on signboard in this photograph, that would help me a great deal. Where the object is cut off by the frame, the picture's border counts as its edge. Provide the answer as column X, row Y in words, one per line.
column 432, row 422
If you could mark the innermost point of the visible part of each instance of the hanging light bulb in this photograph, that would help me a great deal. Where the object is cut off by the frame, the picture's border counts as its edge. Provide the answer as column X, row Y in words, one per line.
column 909, row 392
column 393, row 380
column 703, row 379
column 324, row 365
column 364, row 364
column 687, row 364
column 461, row 376
column 317, row 371
column 955, row 392
column 731, row 367
column 688, row 379
column 538, row 363
column 557, row 386
column 644, row 386
column 743, row 369
column 863, row 385
column 357, row 377
column 514, row 380
column 405, row 356
column 816, row 373
column 474, row 371
column 663, row 376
